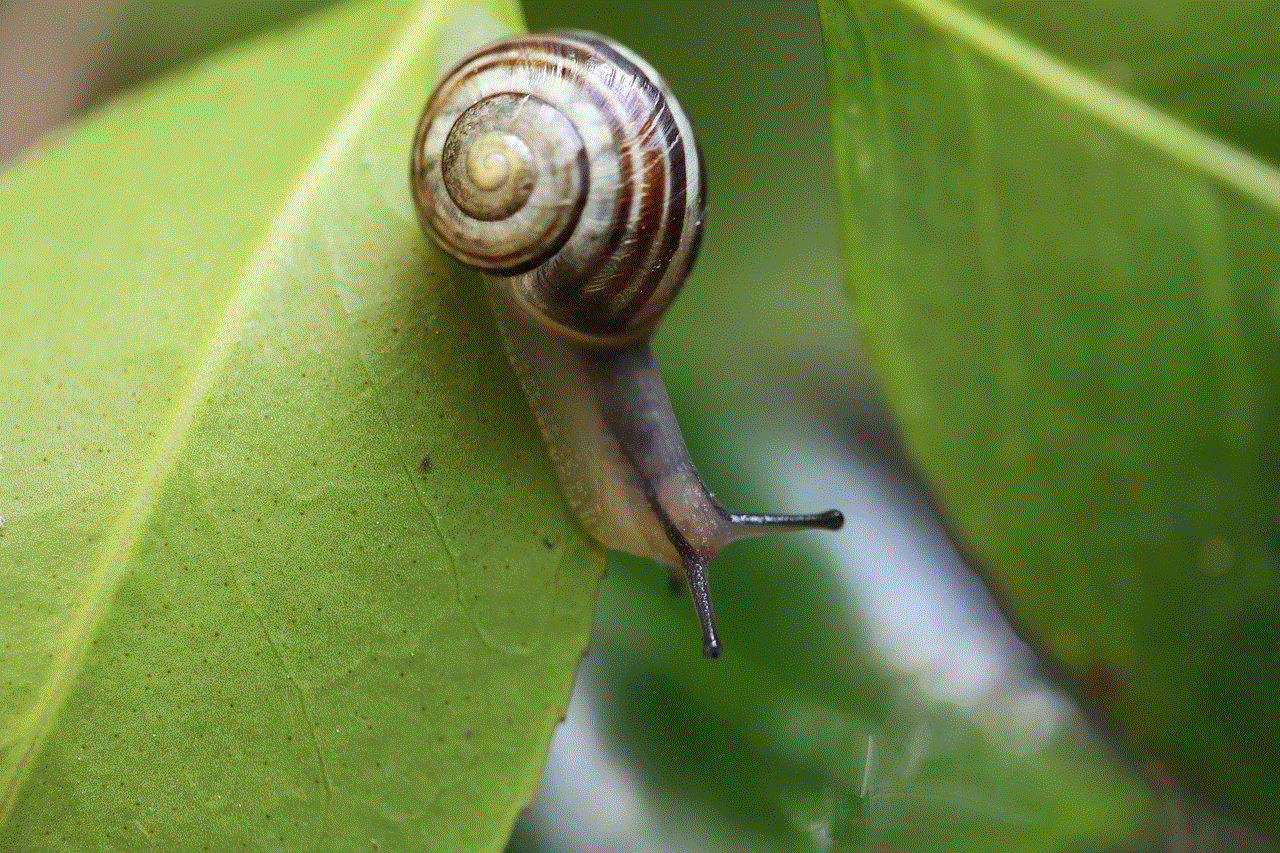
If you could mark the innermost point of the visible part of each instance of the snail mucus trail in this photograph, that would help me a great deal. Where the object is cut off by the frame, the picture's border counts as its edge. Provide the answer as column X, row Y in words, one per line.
column 561, row 167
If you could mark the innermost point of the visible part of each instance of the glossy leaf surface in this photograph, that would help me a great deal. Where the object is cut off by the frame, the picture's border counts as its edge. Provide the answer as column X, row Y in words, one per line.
column 283, row 562
column 1069, row 293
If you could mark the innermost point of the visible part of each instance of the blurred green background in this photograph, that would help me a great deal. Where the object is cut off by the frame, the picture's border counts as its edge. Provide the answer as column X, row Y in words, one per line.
column 874, row 699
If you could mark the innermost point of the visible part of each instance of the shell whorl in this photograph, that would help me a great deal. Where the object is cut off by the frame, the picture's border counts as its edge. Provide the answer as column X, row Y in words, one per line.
column 563, row 162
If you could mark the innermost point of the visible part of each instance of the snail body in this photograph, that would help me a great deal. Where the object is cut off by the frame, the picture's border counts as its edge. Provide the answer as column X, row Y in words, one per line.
column 561, row 166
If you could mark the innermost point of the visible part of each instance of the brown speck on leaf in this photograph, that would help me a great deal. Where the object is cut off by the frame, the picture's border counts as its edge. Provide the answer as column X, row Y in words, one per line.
column 425, row 465
column 1104, row 683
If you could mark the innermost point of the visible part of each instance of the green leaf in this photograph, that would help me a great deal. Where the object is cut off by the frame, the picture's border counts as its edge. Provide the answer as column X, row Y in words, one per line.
column 283, row 559
column 1070, row 296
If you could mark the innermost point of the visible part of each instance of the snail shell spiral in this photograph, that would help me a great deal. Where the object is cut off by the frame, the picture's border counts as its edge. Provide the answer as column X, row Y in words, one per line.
column 562, row 162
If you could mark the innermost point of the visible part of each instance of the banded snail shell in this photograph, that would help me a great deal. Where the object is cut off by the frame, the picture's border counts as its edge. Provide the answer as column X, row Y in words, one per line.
column 563, row 162
column 560, row 165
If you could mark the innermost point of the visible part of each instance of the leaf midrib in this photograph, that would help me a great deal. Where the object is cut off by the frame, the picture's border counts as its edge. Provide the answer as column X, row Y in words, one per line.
column 1130, row 116
column 153, row 474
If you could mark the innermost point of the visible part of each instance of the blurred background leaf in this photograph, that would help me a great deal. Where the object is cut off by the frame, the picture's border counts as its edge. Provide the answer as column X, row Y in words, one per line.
column 1070, row 297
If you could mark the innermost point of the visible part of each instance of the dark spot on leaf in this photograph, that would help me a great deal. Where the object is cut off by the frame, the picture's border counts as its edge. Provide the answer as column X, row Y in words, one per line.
column 1104, row 683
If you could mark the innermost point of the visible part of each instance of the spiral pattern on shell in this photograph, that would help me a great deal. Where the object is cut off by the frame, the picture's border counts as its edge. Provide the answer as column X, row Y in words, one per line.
column 563, row 161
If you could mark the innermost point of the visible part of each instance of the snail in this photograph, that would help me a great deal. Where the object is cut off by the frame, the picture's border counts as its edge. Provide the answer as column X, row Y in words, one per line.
column 561, row 167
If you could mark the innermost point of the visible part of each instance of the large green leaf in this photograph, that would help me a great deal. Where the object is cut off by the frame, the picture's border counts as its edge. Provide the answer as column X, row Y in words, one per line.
column 1070, row 297
column 283, row 564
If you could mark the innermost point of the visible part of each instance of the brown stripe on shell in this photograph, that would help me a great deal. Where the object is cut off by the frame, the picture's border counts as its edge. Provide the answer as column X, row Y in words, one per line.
column 515, row 49
column 450, row 82
column 648, row 219
column 672, row 220
column 676, row 276
column 645, row 106
column 580, row 304
column 672, row 189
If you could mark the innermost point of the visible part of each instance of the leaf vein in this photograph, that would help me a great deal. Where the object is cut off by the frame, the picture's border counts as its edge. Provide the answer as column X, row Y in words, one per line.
column 1125, row 114
column 152, row 475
